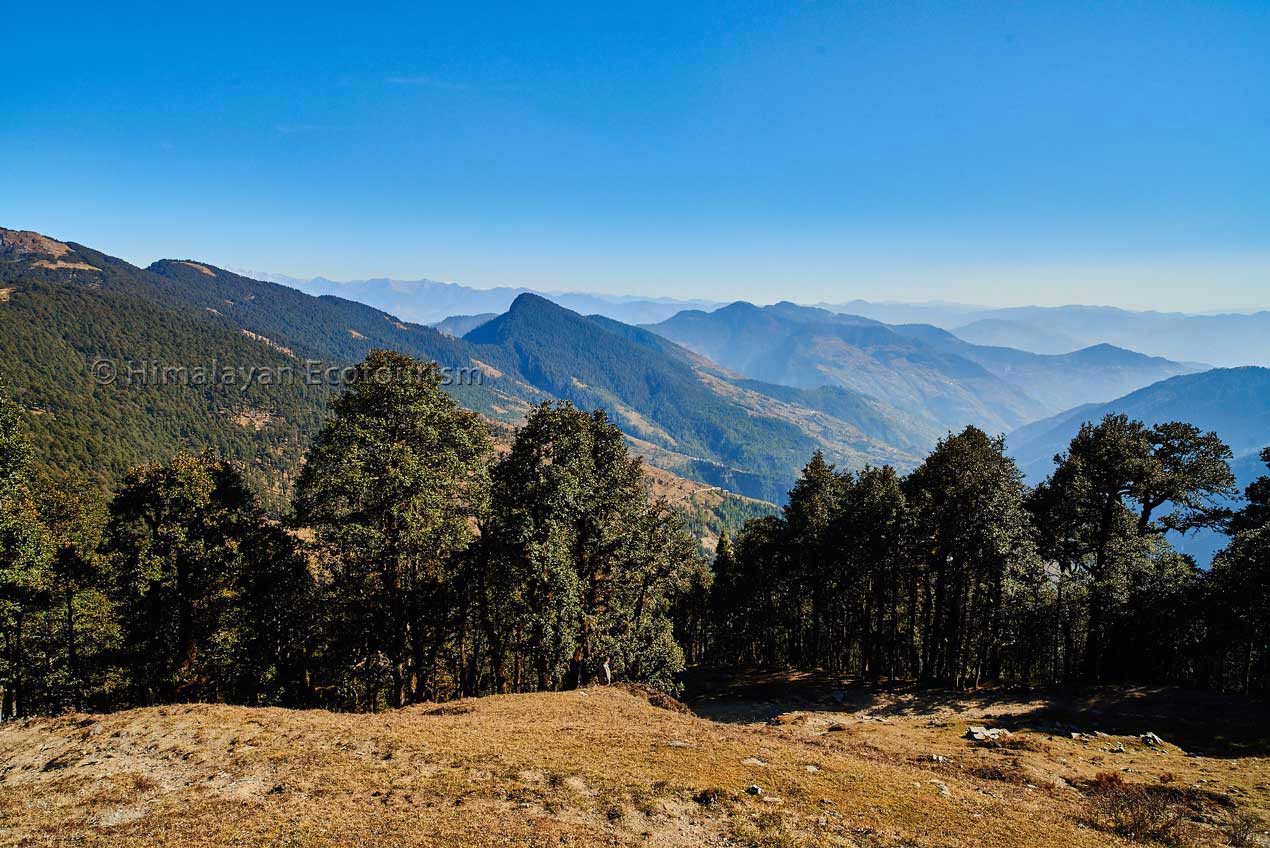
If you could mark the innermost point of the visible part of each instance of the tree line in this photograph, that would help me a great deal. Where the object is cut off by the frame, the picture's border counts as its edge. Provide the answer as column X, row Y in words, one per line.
column 960, row 574
column 420, row 563
column 415, row 565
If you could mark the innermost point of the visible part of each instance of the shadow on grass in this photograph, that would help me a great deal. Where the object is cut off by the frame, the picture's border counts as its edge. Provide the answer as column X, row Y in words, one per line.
column 1208, row 724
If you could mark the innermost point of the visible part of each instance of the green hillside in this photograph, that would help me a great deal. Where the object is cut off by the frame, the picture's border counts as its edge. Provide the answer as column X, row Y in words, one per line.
column 65, row 306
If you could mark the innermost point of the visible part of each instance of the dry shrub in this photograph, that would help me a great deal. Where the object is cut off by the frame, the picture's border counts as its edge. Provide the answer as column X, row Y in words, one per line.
column 711, row 796
column 1239, row 827
column 1010, row 773
column 1137, row 811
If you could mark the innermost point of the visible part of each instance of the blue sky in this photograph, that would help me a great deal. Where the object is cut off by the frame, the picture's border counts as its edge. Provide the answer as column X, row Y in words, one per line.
column 990, row 153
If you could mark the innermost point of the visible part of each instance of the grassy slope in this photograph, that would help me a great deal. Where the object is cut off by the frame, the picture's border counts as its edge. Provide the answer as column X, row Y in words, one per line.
column 595, row 767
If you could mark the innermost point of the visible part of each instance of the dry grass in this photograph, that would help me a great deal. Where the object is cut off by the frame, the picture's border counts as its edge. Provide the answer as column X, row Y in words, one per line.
column 202, row 269
column 268, row 342
column 602, row 766
column 62, row 263
column 27, row 241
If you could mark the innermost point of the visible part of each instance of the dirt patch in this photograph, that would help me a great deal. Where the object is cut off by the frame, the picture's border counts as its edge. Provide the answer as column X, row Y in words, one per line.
column 256, row 419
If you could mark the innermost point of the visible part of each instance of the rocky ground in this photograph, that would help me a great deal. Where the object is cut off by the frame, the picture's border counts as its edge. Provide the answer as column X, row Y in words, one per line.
column 777, row 760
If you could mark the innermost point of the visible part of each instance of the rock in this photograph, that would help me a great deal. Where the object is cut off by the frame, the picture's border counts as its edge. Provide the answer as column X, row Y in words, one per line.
column 753, row 761
column 938, row 758
column 1117, row 748
column 944, row 791
column 754, row 789
column 677, row 743
column 811, row 769
column 1151, row 739
column 979, row 733
column 836, row 728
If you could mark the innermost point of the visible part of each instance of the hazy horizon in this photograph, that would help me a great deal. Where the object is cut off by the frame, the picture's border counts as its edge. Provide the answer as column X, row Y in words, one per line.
column 684, row 298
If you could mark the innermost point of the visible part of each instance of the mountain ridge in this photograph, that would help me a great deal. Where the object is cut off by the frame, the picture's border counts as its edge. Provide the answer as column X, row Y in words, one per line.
column 920, row 368
column 698, row 420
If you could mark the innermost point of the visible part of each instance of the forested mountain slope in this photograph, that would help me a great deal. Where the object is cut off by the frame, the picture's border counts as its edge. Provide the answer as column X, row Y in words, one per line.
column 699, row 419
column 65, row 306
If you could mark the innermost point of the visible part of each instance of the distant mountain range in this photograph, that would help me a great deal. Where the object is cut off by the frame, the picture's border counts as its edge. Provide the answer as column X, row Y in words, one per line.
column 1224, row 339
column 429, row 301
column 917, row 367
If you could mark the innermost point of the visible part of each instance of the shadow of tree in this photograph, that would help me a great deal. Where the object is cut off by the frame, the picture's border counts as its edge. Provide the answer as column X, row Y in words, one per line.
column 1206, row 724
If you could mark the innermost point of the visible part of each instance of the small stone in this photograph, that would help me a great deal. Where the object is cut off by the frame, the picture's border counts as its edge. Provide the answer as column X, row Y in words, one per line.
column 754, row 789
column 944, row 791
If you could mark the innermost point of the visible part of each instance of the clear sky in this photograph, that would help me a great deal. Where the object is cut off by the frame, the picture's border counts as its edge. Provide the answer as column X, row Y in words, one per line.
column 1097, row 152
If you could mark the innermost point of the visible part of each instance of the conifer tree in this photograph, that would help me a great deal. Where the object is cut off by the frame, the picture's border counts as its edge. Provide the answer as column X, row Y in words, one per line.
column 392, row 489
